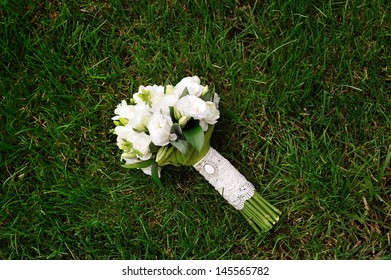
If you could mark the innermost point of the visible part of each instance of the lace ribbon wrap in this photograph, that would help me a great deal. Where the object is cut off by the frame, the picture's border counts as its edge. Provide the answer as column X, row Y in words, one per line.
column 225, row 178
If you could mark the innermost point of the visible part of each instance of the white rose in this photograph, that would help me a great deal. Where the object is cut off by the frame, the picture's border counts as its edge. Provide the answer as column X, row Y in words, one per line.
column 163, row 105
column 193, row 79
column 192, row 106
column 159, row 128
column 213, row 113
column 192, row 84
column 211, row 117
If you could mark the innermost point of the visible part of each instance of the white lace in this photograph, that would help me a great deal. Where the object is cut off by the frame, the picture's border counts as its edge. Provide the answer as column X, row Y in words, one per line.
column 225, row 178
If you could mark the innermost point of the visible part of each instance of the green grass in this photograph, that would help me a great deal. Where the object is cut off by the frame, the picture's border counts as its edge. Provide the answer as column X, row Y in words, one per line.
column 305, row 116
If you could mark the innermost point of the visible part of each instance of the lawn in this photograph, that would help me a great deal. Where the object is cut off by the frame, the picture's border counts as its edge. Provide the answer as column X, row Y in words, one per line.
column 305, row 115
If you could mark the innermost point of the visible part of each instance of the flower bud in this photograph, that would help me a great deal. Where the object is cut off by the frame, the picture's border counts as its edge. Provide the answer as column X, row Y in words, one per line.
column 126, row 146
column 169, row 89
column 140, row 128
column 183, row 121
column 131, row 154
column 123, row 121
column 205, row 90
column 177, row 114
column 161, row 153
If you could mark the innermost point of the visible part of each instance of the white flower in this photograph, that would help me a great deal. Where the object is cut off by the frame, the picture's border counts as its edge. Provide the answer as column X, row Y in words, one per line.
column 123, row 110
column 140, row 118
column 141, row 142
column 149, row 95
column 213, row 113
column 192, row 84
column 193, row 79
column 122, row 133
column 133, row 143
column 137, row 116
column 198, row 109
column 166, row 101
column 192, row 106
column 159, row 128
column 211, row 117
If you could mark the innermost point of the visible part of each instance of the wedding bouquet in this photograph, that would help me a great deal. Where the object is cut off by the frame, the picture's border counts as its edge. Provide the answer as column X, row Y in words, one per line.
column 173, row 125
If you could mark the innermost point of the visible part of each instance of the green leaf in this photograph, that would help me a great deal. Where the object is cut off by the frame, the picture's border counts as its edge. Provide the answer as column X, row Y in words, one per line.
column 170, row 155
column 181, row 145
column 141, row 164
column 195, row 137
column 155, row 174
column 171, row 108
column 177, row 129
column 166, row 83
column 184, row 92
column 153, row 148
column 208, row 96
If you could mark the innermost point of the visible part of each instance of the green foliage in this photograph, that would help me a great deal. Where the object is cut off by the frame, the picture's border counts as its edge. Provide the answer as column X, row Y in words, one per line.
column 305, row 116
column 141, row 164
column 195, row 137
column 186, row 153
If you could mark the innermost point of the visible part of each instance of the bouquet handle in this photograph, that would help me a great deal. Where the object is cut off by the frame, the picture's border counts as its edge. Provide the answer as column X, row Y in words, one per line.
column 225, row 178
column 237, row 191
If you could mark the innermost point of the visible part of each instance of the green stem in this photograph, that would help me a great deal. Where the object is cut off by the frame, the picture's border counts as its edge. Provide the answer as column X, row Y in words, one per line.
column 260, row 214
column 257, row 216
column 275, row 210
column 271, row 211
column 250, row 221
column 262, row 210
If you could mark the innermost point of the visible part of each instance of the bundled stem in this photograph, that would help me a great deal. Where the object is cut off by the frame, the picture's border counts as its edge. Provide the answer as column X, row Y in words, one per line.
column 259, row 213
